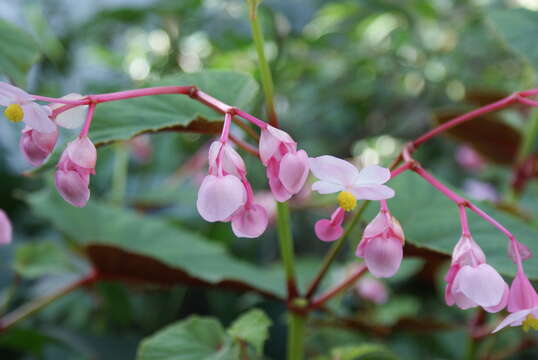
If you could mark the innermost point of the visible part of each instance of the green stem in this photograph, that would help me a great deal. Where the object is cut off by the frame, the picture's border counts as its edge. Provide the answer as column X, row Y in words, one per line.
column 529, row 136
column 119, row 177
column 296, row 332
column 286, row 247
column 265, row 70
column 331, row 255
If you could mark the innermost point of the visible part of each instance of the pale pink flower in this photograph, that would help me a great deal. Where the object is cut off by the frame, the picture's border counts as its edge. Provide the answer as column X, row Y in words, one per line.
column 250, row 221
column 336, row 175
column 219, row 197
column 471, row 282
column 37, row 146
column 141, row 148
column 267, row 200
column 5, row 229
column 468, row 158
column 479, row 190
column 381, row 245
column 287, row 168
column 21, row 107
column 330, row 229
column 74, row 169
column 72, row 118
column 372, row 290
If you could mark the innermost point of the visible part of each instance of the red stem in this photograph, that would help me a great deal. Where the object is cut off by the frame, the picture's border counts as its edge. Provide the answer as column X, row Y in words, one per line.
column 323, row 298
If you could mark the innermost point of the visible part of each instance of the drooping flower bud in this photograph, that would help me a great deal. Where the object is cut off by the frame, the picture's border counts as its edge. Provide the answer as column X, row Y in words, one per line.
column 5, row 229
column 74, row 169
column 37, row 146
column 372, row 290
column 250, row 221
column 382, row 245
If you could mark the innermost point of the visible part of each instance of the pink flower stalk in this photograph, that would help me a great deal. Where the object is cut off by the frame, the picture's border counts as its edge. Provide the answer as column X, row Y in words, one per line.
column 381, row 245
column 226, row 195
column 372, row 290
column 5, row 229
column 37, row 146
column 522, row 303
column 287, row 168
column 74, row 169
column 471, row 282
column 20, row 106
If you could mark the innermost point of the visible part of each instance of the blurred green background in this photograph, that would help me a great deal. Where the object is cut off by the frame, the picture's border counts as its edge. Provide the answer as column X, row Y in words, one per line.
column 355, row 79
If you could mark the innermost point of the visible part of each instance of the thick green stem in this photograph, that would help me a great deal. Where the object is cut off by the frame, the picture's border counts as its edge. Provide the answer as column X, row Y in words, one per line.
column 265, row 70
column 296, row 332
column 119, row 176
column 286, row 247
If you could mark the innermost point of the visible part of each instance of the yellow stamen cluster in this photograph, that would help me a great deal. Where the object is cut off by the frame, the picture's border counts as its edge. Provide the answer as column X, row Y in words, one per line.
column 530, row 323
column 347, row 201
column 14, row 113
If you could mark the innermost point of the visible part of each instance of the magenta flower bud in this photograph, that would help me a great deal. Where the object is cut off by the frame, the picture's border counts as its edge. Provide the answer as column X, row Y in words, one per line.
column 250, row 221
column 5, row 229
column 330, row 229
column 382, row 245
column 522, row 294
column 74, row 169
column 471, row 282
column 372, row 290
column 37, row 146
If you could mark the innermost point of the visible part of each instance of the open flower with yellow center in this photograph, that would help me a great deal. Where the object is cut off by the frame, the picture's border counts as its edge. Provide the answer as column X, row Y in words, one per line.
column 20, row 106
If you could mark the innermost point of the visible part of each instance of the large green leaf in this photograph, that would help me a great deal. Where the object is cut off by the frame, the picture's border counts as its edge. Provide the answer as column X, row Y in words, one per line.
column 195, row 338
column 124, row 245
column 518, row 29
column 18, row 52
column 121, row 120
column 252, row 327
column 431, row 221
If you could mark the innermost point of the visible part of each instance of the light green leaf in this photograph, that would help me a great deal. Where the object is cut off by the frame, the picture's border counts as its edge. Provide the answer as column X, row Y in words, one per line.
column 518, row 29
column 252, row 327
column 431, row 221
column 195, row 338
column 363, row 351
column 41, row 258
column 18, row 52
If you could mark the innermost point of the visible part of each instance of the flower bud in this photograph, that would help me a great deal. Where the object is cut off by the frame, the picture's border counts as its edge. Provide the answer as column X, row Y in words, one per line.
column 37, row 146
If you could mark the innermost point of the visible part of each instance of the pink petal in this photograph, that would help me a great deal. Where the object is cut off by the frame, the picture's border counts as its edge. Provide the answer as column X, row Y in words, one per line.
column 251, row 222
column 213, row 152
column 334, row 170
column 72, row 118
column 36, row 146
column 372, row 289
column 270, row 140
column 277, row 188
column 372, row 192
column 373, row 174
column 514, row 319
column 219, row 197
column 73, row 187
column 377, row 226
column 502, row 303
column 10, row 94
column 327, row 231
column 522, row 294
column 232, row 162
column 383, row 256
column 325, row 187
column 82, row 152
column 5, row 229
column 482, row 284
column 467, row 252
column 294, row 171
column 37, row 117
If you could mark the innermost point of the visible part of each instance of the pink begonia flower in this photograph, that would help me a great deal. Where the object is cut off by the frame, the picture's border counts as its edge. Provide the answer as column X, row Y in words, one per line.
column 72, row 118
column 372, row 290
column 522, row 303
column 37, row 146
column 21, row 107
column 226, row 195
column 74, row 169
column 480, row 191
column 336, row 175
column 5, row 229
column 287, row 168
column 330, row 229
column 471, row 282
column 141, row 148
column 468, row 158
column 381, row 245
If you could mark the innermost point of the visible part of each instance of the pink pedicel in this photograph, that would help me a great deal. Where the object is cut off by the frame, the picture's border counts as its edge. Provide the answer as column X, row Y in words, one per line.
column 287, row 168
column 471, row 282
column 34, row 115
column 37, row 146
column 371, row 289
column 226, row 195
column 331, row 229
column 5, row 229
column 381, row 245
column 337, row 175
column 74, row 169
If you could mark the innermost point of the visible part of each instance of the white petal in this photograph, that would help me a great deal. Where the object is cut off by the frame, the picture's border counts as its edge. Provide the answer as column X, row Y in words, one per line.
column 513, row 319
column 325, row 187
column 372, row 192
column 482, row 284
column 37, row 117
column 333, row 169
column 373, row 174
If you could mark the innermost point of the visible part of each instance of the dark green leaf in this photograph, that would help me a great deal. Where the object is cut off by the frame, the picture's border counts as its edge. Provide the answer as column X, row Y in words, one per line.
column 252, row 327
column 41, row 258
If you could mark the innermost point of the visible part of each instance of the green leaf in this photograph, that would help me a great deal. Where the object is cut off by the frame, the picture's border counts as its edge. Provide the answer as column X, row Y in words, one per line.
column 122, row 120
column 123, row 244
column 41, row 258
column 195, row 338
column 363, row 351
column 431, row 221
column 18, row 52
column 252, row 327
column 518, row 29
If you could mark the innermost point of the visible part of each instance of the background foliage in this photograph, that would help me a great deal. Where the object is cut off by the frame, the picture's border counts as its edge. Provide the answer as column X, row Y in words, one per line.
column 353, row 79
